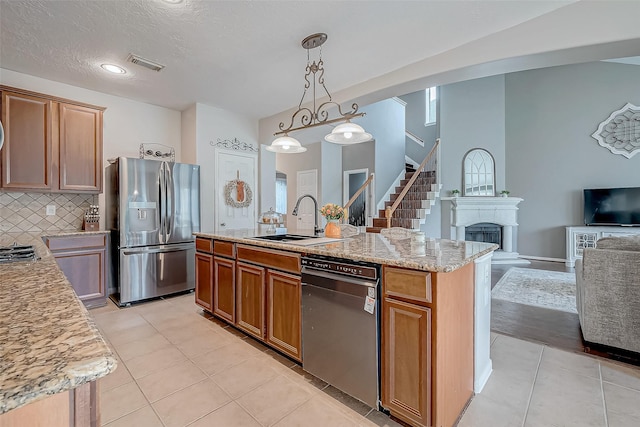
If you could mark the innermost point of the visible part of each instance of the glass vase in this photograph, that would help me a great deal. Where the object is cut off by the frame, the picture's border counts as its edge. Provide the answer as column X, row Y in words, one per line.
column 332, row 229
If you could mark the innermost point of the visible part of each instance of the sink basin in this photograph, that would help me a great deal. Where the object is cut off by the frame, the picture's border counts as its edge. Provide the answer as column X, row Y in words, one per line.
column 284, row 237
column 297, row 239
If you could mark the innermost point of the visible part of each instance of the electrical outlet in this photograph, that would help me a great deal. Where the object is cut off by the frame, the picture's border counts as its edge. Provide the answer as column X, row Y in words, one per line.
column 51, row 210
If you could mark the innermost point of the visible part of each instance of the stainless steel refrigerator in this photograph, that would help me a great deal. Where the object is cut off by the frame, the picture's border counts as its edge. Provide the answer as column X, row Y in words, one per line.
column 152, row 209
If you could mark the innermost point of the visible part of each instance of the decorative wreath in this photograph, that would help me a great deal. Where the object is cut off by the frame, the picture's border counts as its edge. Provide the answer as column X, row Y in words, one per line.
column 233, row 185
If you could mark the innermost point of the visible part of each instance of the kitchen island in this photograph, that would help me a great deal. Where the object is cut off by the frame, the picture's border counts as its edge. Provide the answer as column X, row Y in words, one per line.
column 52, row 353
column 433, row 316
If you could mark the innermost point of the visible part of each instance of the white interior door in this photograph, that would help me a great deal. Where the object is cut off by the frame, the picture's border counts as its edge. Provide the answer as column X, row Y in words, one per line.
column 307, row 184
column 230, row 167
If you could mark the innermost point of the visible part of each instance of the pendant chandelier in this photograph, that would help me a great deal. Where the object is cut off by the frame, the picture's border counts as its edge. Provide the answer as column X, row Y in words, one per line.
column 305, row 117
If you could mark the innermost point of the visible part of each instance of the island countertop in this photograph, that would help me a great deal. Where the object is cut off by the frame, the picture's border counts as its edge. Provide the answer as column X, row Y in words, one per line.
column 50, row 344
column 437, row 255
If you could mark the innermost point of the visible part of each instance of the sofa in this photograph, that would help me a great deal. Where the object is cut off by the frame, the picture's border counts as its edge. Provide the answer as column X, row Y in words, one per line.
column 608, row 292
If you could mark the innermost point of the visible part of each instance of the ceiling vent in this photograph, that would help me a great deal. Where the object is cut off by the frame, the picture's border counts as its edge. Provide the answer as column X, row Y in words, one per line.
column 138, row 60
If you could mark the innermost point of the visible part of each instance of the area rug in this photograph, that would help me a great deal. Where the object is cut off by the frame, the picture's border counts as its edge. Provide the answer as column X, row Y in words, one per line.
column 542, row 288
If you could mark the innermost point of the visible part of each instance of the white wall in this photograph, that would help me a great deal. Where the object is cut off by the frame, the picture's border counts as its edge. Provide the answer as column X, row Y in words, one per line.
column 290, row 164
column 331, row 174
column 127, row 123
column 551, row 156
column 213, row 124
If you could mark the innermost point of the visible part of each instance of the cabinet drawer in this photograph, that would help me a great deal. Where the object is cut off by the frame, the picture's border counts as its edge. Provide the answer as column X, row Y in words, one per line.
column 272, row 258
column 226, row 249
column 76, row 242
column 204, row 245
column 407, row 284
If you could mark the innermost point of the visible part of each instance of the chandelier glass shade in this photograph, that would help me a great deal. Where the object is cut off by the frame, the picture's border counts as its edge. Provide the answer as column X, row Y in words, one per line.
column 286, row 144
column 318, row 113
column 348, row 133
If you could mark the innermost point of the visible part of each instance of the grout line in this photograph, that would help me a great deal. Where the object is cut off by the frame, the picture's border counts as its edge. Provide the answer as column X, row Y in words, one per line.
column 604, row 402
column 533, row 385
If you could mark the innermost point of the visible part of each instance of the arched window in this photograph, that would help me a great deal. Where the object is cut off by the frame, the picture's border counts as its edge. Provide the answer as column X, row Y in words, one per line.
column 478, row 173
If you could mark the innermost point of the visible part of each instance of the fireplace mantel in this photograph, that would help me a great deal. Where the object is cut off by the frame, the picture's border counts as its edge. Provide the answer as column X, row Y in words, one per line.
column 503, row 211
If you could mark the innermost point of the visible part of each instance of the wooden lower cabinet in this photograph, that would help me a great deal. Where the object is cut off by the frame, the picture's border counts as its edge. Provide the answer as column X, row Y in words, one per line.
column 204, row 280
column 406, row 361
column 83, row 260
column 224, row 288
column 250, row 302
column 427, row 344
column 284, row 313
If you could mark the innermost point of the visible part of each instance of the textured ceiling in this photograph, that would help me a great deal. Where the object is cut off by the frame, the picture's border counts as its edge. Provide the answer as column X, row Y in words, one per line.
column 243, row 56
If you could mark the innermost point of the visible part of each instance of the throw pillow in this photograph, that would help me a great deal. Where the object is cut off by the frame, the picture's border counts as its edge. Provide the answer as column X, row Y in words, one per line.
column 623, row 243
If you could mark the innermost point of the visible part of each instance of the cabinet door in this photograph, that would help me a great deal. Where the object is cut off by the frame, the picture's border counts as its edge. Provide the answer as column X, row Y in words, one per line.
column 86, row 271
column 204, row 281
column 27, row 152
column 406, row 361
column 250, row 299
column 80, row 149
column 284, row 305
column 224, row 288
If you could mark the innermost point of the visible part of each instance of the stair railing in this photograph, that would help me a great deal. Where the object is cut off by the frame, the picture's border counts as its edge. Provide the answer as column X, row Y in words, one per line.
column 430, row 159
column 355, row 197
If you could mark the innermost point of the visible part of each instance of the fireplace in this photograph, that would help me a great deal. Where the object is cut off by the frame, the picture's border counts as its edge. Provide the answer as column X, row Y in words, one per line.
column 484, row 232
column 492, row 219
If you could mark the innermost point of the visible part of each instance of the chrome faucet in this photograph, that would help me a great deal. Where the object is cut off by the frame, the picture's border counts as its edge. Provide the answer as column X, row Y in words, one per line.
column 316, row 229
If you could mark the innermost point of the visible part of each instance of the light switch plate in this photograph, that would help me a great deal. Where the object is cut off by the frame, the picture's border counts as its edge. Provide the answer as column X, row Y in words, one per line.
column 51, row 210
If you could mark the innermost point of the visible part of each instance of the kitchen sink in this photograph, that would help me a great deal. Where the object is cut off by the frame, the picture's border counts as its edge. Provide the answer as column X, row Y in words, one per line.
column 284, row 237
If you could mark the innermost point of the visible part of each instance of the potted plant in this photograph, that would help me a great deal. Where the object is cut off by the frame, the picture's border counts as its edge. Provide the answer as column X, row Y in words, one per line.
column 504, row 193
column 455, row 193
column 333, row 213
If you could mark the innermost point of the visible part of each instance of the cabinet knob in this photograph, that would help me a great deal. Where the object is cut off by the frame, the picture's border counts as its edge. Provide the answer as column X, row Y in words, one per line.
column 223, row 224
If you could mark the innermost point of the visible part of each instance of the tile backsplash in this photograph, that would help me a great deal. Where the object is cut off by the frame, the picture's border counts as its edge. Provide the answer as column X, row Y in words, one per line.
column 27, row 211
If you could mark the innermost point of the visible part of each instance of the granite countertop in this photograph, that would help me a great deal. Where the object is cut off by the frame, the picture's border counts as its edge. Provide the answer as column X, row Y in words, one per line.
column 439, row 255
column 50, row 344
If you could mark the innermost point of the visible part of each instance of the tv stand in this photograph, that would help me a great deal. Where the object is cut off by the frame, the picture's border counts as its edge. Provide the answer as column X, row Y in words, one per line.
column 580, row 237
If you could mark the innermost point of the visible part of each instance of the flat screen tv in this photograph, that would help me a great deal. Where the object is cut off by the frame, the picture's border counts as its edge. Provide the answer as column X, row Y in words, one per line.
column 612, row 206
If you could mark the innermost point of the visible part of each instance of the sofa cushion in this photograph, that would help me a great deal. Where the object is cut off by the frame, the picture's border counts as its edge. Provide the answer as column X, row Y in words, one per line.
column 622, row 243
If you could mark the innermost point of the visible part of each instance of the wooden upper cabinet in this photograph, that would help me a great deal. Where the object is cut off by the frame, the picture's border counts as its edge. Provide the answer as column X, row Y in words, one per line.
column 51, row 144
column 27, row 153
column 80, row 149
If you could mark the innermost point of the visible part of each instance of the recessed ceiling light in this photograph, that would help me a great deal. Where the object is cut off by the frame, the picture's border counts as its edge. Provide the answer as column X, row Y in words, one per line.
column 113, row 69
column 172, row 1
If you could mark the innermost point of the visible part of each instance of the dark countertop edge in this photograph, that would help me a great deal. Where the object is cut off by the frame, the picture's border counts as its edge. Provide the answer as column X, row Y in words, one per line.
column 317, row 250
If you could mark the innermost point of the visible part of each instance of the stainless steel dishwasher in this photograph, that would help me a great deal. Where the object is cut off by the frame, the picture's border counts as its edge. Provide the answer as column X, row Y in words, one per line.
column 340, row 322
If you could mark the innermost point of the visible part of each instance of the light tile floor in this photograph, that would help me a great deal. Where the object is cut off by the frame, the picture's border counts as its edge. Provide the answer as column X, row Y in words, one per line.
column 178, row 367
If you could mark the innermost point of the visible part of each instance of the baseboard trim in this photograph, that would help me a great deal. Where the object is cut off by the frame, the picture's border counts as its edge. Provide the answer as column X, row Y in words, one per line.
column 543, row 258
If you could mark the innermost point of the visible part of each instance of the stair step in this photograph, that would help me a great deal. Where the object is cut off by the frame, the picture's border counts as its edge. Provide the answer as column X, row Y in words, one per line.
column 410, row 204
column 423, row 173
column 405, row 213
column 419, row 181
column 398, row 222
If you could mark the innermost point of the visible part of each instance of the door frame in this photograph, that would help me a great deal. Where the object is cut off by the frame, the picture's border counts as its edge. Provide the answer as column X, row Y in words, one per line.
column 367, row 191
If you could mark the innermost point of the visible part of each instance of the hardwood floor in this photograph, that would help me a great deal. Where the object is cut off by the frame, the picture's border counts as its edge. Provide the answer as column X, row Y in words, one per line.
column 555, row 328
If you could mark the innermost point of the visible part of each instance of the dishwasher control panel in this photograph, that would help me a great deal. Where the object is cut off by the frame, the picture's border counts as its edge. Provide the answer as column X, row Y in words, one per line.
column 346, row 268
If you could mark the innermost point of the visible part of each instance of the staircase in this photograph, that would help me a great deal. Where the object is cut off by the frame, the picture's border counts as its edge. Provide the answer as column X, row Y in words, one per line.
column 416, row 204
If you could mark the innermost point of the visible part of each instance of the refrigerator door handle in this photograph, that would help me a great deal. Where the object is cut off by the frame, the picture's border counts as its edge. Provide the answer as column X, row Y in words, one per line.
column 162, row 207
column 157, row 249
column 169, row 209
